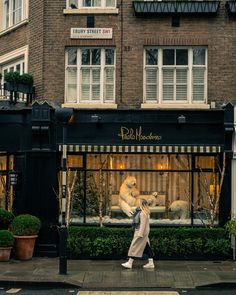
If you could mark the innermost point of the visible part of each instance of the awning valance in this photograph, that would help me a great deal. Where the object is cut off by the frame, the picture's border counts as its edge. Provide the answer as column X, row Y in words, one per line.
column 145, row 8
column 142, row 148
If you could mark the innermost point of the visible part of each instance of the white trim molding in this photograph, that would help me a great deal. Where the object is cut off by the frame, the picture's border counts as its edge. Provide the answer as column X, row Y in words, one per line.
column 91, row 11
column 90, row 106
column 10, row 56
column 174, row 106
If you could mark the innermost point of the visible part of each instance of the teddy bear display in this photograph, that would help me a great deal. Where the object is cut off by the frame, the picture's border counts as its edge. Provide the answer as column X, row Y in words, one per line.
column 180, row 209
column 129, row 195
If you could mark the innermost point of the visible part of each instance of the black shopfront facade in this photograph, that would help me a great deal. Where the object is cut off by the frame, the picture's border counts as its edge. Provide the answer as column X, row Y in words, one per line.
column 178, row 154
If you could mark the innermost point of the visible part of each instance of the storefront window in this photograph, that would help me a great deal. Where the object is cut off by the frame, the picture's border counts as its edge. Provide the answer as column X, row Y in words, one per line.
column 179, row 188
column 6, row 193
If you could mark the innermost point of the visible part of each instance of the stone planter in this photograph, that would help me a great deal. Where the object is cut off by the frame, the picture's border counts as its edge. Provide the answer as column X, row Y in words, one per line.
column 5, row 253
column 24, row 247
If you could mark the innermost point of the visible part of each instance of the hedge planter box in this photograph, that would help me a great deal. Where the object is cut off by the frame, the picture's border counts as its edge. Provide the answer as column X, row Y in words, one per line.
column 11, row 86
column 166, row 243
column 28, row 89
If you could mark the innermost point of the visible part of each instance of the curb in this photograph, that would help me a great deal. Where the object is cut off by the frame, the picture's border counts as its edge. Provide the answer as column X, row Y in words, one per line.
column 40, row 284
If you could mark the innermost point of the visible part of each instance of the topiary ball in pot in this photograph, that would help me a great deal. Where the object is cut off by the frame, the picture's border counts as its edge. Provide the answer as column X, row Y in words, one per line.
column 6, row 218
column 6, row 243
column 25, row 225
column 6, row 238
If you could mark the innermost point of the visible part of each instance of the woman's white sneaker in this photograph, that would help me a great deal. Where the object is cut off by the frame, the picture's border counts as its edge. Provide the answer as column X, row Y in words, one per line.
column 149, row 265
column 127, row 265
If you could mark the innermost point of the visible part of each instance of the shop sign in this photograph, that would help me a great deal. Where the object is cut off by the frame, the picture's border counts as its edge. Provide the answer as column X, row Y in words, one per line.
column 137, row 134
column 91, row 33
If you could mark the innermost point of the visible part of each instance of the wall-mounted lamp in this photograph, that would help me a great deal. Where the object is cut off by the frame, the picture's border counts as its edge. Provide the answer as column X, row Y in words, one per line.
column 181, row 119
column 95, row 118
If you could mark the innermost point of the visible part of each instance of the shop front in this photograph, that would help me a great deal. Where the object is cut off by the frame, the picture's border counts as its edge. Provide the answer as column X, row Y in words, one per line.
column 178, row 159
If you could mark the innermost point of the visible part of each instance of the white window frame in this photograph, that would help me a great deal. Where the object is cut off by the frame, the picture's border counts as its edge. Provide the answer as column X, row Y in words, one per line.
column 80, row 4
column 103, row 66
column 10, row 24
column 13, row 58
column 82, row 9
column 159, row 99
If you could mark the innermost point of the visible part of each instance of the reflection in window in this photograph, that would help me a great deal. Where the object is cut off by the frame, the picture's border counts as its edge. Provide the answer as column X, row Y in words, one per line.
column 178, row 187
column 6, row 194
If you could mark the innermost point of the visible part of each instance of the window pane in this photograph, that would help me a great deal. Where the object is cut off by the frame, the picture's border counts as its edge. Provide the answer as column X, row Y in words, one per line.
column 199, row 56
column 109, row 56
column 198, row 92
column 181, row 76
column 168, row 92
column 85, row 76
column 87, row 2
column 96, row 76
column 181, row 92
column 168, row 76
column 96, row 53
column 109, row 75
column 151, row 56
column 198, row 75
column 151, row 92
column 73, row 3
column 95, row 92
column 181, row 56
column 168, row 57
column 71, row 84
column 110, row 3
column 85, row 56
column 151, row 84
column 72, row 56
column 109, row 92
column 85, row 92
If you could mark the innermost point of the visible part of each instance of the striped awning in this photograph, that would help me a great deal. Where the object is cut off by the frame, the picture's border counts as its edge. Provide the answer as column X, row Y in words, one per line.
column 143, row 148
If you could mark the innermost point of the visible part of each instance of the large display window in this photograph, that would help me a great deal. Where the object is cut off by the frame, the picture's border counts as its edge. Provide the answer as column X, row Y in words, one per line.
column 181, row 189
column 6, row 191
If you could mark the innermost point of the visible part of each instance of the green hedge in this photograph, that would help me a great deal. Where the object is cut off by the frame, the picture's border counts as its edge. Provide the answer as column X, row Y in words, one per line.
column 168, row 243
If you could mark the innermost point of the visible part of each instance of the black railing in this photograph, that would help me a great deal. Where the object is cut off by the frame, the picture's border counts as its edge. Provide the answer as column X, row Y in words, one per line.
column 15, row 96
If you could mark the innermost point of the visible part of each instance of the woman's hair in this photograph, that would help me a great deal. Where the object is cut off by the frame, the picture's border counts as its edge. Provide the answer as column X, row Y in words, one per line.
column 143, row 204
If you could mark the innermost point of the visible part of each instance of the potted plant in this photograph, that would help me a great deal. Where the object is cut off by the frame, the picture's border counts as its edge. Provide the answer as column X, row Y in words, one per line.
column 6, row 243
column 12, row 79
column 26, row 82
column 25, row 228
column 230, row 227
column 6, row 218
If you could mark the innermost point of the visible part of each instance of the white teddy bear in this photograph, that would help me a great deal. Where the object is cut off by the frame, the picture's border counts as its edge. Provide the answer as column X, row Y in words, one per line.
column 180, row 209
column 128, row 195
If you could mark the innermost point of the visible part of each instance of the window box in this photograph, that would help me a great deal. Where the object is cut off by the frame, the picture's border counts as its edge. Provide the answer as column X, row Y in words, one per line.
column 10, row 86
column 146, row 8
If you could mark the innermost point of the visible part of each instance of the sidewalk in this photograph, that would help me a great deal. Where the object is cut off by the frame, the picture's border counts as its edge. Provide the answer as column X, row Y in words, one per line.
column 90, row 274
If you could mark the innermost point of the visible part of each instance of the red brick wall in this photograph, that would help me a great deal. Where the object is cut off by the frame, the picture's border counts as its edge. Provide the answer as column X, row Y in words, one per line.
column 48, row 33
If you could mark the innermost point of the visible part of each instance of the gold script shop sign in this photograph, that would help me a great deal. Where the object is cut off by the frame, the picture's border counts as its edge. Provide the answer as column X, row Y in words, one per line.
column 137, row 134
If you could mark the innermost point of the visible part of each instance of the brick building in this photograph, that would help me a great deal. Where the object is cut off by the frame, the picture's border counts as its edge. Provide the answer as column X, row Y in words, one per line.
column 148, row 82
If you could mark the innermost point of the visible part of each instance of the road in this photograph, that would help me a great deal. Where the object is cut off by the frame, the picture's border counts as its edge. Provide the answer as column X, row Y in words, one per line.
column 75, row 291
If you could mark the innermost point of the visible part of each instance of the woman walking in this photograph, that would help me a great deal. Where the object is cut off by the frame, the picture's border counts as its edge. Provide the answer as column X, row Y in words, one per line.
column 140, row 244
